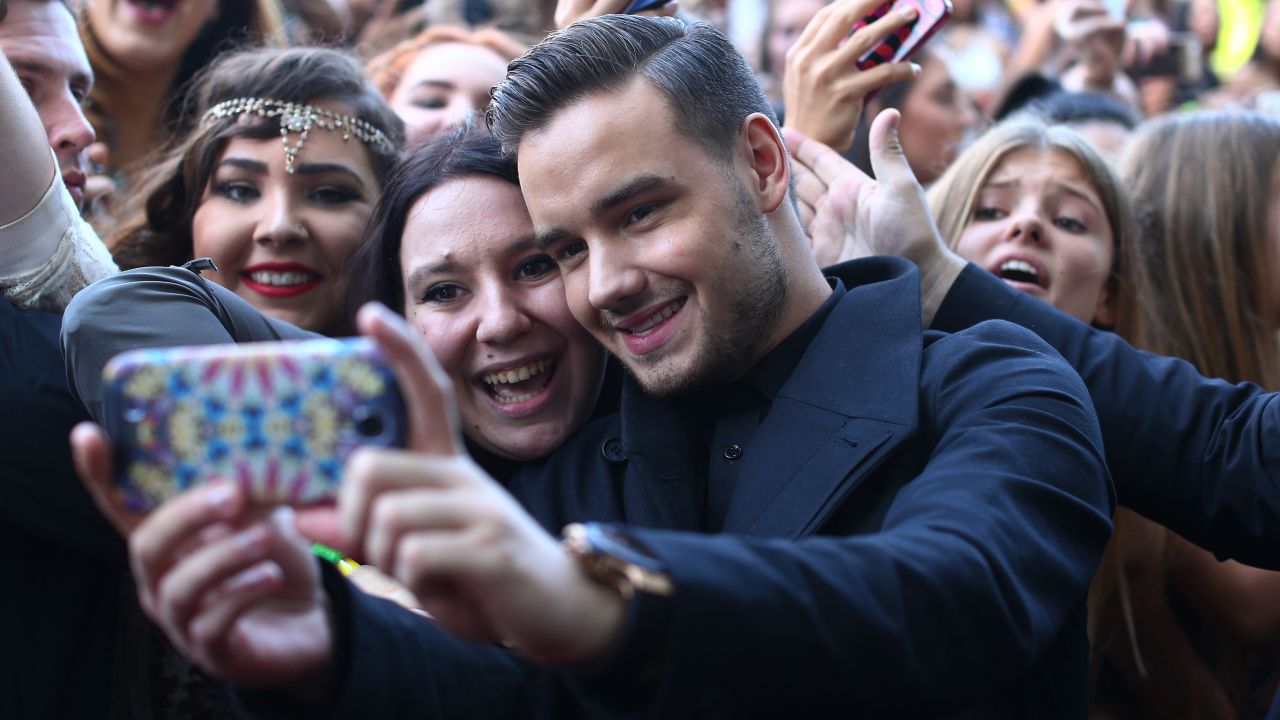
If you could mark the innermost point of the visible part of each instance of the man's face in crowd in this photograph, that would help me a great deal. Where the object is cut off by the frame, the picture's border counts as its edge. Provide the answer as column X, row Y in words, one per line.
column 666, row 256
column 42, row 44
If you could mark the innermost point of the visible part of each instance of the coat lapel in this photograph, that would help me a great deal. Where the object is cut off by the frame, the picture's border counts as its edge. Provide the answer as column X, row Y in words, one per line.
column 852, row 399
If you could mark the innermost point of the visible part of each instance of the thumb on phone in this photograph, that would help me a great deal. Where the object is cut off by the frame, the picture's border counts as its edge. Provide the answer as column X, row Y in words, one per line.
column 434, row 427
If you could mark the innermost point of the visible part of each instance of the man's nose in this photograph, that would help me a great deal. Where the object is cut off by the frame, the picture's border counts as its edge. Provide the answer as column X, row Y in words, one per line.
column 68, row 129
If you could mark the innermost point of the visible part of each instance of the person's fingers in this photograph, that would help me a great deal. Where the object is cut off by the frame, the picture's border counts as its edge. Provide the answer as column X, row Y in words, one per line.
column 397, row 514
column 810, row 188
column 323, row 524
column 810, row 31
column 91, row 455
column 888, row 161
column 844, row 15
column 178, row 593
column 825, row 163
column 237, row 594
column 428, row 391
column 806, row 214
column 875, row 33
column 668, row 9
column 153, row 546
column 369, row 473
column 880, row 76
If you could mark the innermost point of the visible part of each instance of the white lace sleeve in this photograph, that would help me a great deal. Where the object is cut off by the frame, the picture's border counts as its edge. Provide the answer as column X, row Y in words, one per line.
column 50, row 254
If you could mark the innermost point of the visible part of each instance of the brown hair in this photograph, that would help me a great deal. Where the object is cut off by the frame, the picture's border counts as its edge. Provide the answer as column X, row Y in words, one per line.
column 1201, row 188
column 953, row 196
column 157, row 225
column 387, row 69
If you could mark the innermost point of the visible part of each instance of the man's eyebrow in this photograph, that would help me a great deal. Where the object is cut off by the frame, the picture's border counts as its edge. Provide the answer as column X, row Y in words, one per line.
column 635, row 186
column 544, row 239
column 38, row 68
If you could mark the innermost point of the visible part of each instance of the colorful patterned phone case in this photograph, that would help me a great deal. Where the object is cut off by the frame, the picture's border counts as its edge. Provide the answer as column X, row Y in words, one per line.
column 908, row 39
column 277, row 418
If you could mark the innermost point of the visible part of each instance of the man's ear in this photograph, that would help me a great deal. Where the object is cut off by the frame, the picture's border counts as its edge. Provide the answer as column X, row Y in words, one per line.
column 766, row 158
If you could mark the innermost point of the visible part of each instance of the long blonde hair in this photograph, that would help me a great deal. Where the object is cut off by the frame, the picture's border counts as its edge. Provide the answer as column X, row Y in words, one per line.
column 953, row 197
column 1201, row 190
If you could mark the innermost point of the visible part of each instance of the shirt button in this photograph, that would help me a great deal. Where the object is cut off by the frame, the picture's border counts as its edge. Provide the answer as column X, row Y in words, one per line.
column 733, row 452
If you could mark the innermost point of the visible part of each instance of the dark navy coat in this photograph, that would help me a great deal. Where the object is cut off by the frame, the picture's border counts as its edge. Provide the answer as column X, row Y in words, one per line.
column 912, row 534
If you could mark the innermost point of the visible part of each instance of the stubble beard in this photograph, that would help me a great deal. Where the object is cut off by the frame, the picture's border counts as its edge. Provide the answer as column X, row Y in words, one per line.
column 733, row 344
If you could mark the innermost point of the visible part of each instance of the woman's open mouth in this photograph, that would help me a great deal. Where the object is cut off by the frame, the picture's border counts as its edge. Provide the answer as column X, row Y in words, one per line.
column 280, row 281
column 152, row 12
column 520, row 389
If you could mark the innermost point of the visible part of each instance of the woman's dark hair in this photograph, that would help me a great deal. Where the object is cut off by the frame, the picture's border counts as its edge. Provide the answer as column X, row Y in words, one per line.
column 374, row 273
column 157, row 225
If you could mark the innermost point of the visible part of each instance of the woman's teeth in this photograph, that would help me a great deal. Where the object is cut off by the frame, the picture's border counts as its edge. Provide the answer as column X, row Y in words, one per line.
column 1019, row 271
column 519, row 374
column 280, row 279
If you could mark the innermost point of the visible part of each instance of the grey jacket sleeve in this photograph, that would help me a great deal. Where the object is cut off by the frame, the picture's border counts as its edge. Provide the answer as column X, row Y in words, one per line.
column 150, row 308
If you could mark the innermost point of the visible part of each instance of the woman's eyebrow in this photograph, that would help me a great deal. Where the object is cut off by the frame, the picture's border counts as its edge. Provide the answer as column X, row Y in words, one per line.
column 325, row 168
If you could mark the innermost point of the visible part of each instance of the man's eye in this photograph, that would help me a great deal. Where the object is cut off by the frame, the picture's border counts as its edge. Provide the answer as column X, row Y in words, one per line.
column 571, row 250
column 640, row 213
column 535, row 267
column 236, row 191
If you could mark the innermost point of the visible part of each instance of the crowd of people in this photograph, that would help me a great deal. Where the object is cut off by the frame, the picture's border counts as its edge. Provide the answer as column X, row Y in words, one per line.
column 739, row 381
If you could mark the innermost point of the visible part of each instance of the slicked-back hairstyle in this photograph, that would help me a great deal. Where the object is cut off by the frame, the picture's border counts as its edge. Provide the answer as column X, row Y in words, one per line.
column 704, row 79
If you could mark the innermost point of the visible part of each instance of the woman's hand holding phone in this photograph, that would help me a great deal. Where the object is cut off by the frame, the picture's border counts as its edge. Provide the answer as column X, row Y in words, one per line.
column 823, row 89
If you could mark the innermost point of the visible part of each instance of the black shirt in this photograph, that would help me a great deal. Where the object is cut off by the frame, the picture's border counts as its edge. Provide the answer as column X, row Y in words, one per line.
column 733, row 412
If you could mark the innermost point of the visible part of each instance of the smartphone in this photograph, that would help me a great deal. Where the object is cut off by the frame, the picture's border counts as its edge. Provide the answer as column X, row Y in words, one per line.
column 278, row 418
column 642, row 5
column 903, row 44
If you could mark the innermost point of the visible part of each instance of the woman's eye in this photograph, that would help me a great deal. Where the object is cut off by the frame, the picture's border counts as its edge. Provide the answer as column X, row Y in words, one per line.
column 571, row 250
column 1071, row 225
column 535, row 267
column 334, row 195
column 442, row 293
column 236, row 191
column 430, row 103
column 987, row 213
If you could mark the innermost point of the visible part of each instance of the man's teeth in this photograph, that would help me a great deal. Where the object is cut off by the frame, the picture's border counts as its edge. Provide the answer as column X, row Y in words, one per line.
column 516, row 375
column 658, row 317
column 280, row 279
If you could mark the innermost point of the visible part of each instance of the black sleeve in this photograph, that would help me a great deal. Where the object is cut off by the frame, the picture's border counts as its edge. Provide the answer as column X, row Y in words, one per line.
column 1199, row 456
column 150, row 308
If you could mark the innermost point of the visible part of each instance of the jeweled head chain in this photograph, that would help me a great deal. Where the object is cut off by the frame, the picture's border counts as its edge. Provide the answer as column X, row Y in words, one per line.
column 298, row 118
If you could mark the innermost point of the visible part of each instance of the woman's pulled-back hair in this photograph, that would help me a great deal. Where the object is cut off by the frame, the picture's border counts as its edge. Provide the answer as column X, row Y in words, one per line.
column 1201, row 190
column 953, row 197
column 374, row 273
column 157, row 225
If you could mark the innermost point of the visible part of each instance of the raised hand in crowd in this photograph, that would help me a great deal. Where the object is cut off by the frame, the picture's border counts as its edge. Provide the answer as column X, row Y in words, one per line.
column 569, row 12
column 849, row 215
column 823, row 89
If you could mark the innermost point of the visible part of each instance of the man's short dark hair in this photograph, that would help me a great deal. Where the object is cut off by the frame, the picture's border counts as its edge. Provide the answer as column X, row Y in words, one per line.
column 704, row 78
